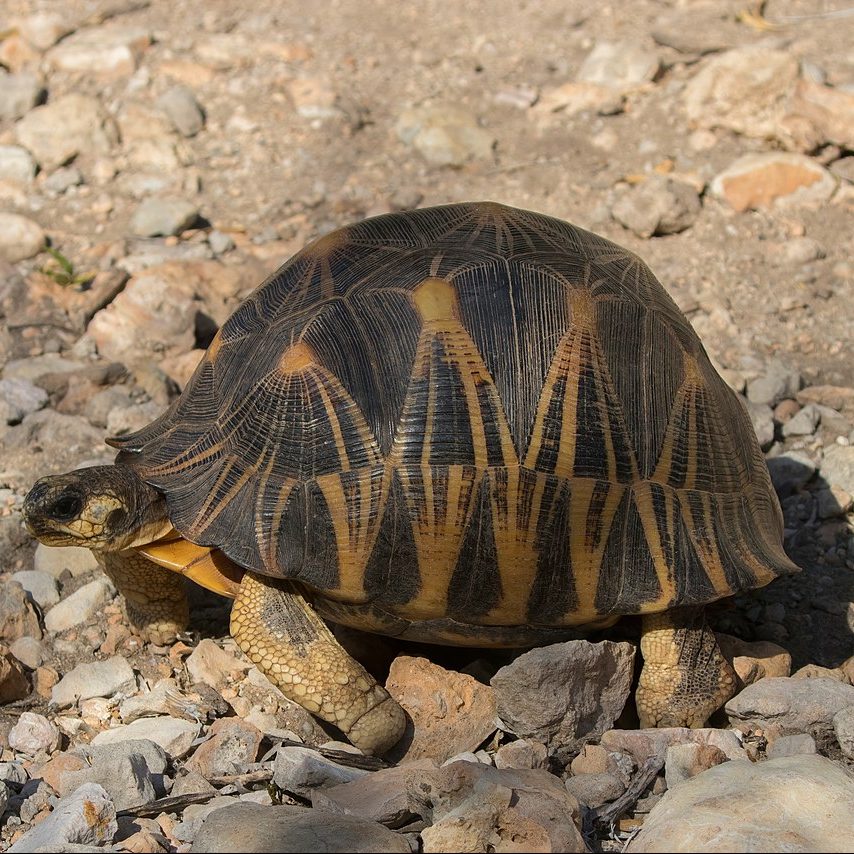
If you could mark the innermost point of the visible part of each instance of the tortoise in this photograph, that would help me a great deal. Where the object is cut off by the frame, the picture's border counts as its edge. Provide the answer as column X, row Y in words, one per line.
column 468, row 425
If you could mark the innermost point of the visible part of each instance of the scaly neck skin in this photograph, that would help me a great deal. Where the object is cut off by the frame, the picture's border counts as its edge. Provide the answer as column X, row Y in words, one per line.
column 103, row 508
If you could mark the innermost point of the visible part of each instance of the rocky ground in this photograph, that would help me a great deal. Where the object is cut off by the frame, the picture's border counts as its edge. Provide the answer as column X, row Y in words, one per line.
column 158, row 159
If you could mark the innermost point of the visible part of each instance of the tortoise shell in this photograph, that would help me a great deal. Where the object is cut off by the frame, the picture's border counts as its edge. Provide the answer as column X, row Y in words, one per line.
column 469, row 412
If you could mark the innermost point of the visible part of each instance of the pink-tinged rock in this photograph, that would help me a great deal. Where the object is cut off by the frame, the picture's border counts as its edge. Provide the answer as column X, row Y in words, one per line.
column 566, row 693
column 830, row 110
column 504, row 810
column 754, row 660
column 793, row 804
column 33, row 734
column 232, row 746
column 640, row 744
column 380, row 796
column 744, row 90
column 449, row 712
column 773, row 178
column 522, row 753
column 784, row 706
column 211, row 664
column 684, row 761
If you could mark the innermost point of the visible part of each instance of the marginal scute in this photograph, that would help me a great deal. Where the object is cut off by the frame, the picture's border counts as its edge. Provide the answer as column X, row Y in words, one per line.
column 469, row 413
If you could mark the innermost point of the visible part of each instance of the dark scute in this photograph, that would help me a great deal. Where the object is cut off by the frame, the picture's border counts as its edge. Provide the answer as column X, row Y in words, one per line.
column 475, row 586
column 693, row 586
column 553, row 593
column 392, row 575
column 547, row 457
column 590, row 427
column 306, row 545
column 627, row 577
column 492, row 415
column 645, row 367
column 451, row 440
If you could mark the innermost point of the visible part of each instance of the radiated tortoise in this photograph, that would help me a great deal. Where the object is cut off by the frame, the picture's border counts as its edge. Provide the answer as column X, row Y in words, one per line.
column 467, row 424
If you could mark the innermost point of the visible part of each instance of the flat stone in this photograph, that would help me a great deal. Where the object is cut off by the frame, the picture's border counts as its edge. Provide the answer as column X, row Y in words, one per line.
column 792, row 745
column 744, row 90
column 658, row 205
column 127, row 779
column 843, row 727
column 570, row 99
column 153, row 702
column 802, row 250
column 790, row 472
column 754, row 660
column 301, row 770
column 829, row 109
column 522, row 753
column 727, row 809
column 804, row 423
column 55, row 561
column 448, row 712
column 16, row 164
column 43, row 29
column 566, row 693
column 60, row 130
column 40, row 585
column 380, row 796
column 180, row 105
column 232, row 746
column 33, row 734
column 93, row 679
column 773, row 179
column 106, row 50
column 21, row 398
column 762, row 419
column 163, row 216
column 253, row 827
column 684, row 761
column 833, row 501
column 80, row 606
column 211, row 664
column 19, row 93
column 594, row 790
column 20, row 237
column 840, row 398
column 445, row 134
column 154, row 755
column 619, row 65
column 29, row 651
column 496, row 807
column 777, row 383
column 702, row 28
column 640, row 744
column 783, row 706
column 174, row 735
column 86, row 817
column 837, row 467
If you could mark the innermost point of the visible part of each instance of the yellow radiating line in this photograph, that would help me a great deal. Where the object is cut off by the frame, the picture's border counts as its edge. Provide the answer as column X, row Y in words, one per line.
column 706, row 547
column 279, row 510
column 666, row 574
column 264, row 538
column 586, row 558
column 334, row 423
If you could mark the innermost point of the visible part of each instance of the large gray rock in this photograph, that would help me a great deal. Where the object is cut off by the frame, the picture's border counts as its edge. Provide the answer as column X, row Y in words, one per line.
column 17, row 616
column 40, row 585
column 68, row 125
column 619, row 65
column 837, row 467
column 445, row 134
column 78, row 561
column 86, row 817
column 80, row 605
column 798, row 803
column 163, row 216
column 790, row 471
column 20, row 237
column 126, row 778
column 301, row 770
column 174, row 735
column 18, row 94
column 781, row 705
column 659, row 205
column 843, row 726
column 180, row 105
column 253, row 827
column 566, row 693
column 475, row 807
column 448, row 712
column 93, row 679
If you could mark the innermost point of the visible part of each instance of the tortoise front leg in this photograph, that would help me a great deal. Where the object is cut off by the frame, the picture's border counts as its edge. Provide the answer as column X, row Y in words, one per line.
column 685, row 677
column 278, row 629
column 155, row 599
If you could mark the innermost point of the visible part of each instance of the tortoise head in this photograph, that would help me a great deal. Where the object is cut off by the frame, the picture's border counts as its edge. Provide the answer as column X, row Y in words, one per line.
column 105, row 508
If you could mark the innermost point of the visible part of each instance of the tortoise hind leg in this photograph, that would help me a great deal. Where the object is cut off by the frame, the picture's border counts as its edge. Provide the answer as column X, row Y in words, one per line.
column 685, row 677
column 155, row 599
column 278, row 629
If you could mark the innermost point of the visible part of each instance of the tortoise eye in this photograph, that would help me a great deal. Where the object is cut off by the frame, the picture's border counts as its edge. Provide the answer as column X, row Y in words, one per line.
column 66, row 507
